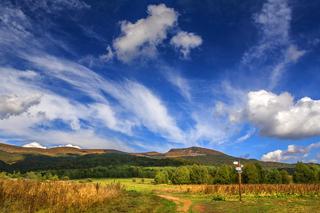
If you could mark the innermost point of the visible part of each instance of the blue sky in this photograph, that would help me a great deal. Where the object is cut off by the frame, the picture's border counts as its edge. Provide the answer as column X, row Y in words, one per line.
column 239, row 77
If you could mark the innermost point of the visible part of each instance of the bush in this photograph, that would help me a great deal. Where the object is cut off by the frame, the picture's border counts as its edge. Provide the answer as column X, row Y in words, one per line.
column 218, row 198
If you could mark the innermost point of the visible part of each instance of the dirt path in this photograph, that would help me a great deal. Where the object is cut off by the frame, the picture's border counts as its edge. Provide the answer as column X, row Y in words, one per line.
column 183, row 204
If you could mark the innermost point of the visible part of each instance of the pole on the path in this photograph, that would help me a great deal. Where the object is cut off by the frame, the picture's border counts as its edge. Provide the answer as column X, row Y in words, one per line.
column 239, row 171
column 239, row 177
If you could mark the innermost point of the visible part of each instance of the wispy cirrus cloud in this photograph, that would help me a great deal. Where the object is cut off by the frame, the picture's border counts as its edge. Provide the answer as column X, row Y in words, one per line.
column 275, row 43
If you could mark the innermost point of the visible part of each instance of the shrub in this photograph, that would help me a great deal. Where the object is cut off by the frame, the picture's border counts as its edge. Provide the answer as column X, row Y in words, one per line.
column 218, row 198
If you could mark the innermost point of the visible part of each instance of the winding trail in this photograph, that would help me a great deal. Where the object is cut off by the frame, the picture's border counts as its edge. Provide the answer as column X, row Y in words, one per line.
column 183, row 204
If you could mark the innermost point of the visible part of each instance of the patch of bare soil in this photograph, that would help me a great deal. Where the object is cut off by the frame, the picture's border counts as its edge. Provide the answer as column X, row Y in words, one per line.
column 183, row 204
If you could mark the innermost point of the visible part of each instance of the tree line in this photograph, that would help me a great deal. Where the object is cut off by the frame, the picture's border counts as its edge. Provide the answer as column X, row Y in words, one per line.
column 253, row 173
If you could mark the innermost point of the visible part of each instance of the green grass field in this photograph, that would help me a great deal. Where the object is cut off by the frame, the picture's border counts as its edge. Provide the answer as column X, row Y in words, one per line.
column 146, row 191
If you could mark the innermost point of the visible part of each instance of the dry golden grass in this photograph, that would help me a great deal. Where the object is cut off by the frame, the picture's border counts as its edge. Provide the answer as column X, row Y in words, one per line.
column 249, row 189
column 53, row 196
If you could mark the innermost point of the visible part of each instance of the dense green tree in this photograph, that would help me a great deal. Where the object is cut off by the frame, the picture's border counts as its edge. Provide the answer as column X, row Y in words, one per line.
column 181, row 176
column 223, row 175
column 304, row 174
column 251, row 173
column 199, row 174
column 285, row 178
column 161, row 177
column 273, row 176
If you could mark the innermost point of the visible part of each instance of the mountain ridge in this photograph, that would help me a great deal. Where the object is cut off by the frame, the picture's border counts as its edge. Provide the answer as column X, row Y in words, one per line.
column 11, row 154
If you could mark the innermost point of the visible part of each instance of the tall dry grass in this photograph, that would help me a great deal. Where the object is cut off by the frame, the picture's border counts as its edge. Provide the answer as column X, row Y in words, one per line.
column 53, row 196
column 249, row 189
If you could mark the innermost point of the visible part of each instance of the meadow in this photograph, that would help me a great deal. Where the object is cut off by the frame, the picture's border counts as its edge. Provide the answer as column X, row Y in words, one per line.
column 224, row 198
column 143, row 195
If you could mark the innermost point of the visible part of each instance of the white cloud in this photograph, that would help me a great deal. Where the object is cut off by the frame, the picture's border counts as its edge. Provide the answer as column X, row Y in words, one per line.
column 70, row 145
column 15, row 105
column 51, row 107
column 34, row 145
column 246, row 136
column 291, row 55
column 273, row 156
column 185, row 41
column 148, row 108
column 144, row 106
column 274, row 44
column 280, row 116
column 142, row 37
column 52, row 6
column 273, row 21
column 293, row 153
column 181, row 83
column 108, row 55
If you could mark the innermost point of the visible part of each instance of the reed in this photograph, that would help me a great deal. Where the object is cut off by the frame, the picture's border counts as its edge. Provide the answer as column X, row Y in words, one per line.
column 19, row 195
column 249, row 189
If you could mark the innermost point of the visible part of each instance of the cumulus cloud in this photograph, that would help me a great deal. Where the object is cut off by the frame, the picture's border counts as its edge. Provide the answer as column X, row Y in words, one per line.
column 280, row 116
column 34, row 145
column 142, row 37
column 185, row 41
column 15, row 105
column 293, row 153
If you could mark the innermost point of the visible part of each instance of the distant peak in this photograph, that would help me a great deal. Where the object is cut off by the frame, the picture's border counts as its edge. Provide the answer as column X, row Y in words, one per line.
column 191, row 151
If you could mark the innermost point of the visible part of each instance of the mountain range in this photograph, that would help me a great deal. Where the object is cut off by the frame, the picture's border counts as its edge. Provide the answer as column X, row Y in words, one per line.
column 17, row 156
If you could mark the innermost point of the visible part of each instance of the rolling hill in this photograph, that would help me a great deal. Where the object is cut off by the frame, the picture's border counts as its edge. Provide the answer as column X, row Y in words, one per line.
column 67, row 157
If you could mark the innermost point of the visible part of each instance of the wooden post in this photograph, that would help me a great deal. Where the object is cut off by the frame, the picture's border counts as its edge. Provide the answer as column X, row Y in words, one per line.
column 239, row 171
column 239, row 178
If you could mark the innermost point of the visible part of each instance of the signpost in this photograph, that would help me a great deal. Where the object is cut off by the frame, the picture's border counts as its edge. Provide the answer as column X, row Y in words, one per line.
column 239, row 171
